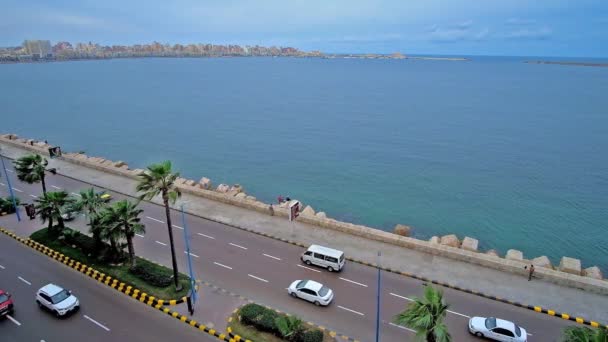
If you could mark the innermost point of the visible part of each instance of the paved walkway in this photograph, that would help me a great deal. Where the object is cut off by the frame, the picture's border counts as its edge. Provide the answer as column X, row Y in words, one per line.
column 548, row 295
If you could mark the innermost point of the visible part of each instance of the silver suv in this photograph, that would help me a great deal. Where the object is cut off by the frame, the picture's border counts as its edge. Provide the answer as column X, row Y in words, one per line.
column 56, row 299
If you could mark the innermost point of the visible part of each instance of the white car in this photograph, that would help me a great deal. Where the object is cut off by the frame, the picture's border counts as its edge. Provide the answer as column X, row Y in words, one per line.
column 311, row 291
column 497, row 329
column 56, row 299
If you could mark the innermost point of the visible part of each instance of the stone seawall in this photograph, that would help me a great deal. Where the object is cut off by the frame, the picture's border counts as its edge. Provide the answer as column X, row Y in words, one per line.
column 568, row 273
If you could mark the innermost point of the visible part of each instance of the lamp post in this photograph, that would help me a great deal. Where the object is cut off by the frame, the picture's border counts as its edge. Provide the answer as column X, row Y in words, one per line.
column 378, row 302
column 189, row 257
column 10, row 189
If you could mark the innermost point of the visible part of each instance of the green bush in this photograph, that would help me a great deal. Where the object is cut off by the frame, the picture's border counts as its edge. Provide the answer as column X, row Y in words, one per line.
column 267, row 322
column 251, row 312
column 6, row 205
column 259, row 317
column 315, row 335
column 150, row 275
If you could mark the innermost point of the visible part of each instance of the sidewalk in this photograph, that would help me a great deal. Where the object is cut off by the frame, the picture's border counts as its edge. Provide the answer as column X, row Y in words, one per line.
column 548, row 295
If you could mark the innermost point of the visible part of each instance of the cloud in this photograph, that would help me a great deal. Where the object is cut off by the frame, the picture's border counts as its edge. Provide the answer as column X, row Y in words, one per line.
column 458, row 32
column 74, row 20
column 519, row 22
column 541, row 33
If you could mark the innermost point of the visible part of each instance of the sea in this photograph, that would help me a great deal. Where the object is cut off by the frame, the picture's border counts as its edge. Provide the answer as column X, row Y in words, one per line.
column 512, row 154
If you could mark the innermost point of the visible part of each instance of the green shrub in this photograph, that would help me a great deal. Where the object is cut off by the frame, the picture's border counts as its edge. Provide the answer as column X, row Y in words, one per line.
column 251, row 312
column 150, row 276
column 6, row 205
column 315, row 335
column 267, row 322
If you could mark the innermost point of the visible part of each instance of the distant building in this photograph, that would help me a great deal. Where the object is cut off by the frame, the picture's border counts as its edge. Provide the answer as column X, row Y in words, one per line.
column 38, row 48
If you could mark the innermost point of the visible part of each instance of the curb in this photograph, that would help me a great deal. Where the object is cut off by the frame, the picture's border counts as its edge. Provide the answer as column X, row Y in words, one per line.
column 158, row 304
column 535, row 308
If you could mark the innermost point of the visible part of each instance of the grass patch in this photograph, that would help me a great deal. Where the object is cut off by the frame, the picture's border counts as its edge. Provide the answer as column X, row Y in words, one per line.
column 120, row 272
column 248, row 332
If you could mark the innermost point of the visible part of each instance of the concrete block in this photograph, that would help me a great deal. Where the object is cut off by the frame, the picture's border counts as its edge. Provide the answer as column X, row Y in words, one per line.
column 223, row 188
column 308, row 211
column 241, row 195
column 205, row 183
column 514, row 254
column 190, row 182
column 450, row 240
column 119, row 163
column 570, row 265
column 321, row 214
column 434, row 239
column 593, row 272
column 403, row 230
column 469, row 244
column 542, row 261
column 251, row 198
column 237, row 188
column 493, row 252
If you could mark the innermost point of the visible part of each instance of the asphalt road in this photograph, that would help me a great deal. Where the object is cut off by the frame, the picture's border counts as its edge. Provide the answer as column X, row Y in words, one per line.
column 261, row 269
column 105, row 314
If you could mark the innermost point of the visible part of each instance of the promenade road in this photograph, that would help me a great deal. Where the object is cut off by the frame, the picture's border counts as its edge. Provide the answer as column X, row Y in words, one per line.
column 261, row 268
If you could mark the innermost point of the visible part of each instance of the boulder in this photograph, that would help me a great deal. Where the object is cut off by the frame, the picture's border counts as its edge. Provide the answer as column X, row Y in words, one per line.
column 180, row 180
column 222, row 188
column 39, row 144
column 205, row 183
column 570, row 265
column 542, row 261
column 241, row 195
column 119, row 163
column 469, row 244
column 402, row 230
column 450, row 240
column 308, row 211
column 593, row 272
column 137, row 172
column 237, row 188
column 251, row 198
column 190, row 182
column 434, row 239
column 514, row 254
column 321, row 214
column 493, row 252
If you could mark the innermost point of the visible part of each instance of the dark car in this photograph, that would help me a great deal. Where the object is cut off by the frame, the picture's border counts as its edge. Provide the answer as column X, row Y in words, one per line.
column 6, row 304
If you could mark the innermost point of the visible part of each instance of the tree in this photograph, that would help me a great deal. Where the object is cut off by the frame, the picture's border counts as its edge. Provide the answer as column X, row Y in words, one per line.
column 91, row 204
column 159, row 179
column 290, row 327
column 31, row 168
column 425, row 315
column 52, row 205
column 585, row 334
column 104, row 223
column 124, row 216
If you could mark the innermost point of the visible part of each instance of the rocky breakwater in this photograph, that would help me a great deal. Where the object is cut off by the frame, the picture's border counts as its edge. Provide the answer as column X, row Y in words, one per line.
column 568, row 273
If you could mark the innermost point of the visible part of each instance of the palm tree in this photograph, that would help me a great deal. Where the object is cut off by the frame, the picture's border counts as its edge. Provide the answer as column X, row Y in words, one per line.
column 159, row 179
column 30, row 169
column 425, row 315
column 91, row 204
column 124, row 215
column 104, row 223
column 585, row 334
column 52, row 205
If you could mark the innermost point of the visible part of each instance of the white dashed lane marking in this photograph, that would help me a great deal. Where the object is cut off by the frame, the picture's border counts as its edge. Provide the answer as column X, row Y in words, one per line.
column 398, row 296
column 411, row 300
column 235, row 245
column 23, row 280
column 178, row 227
column 56, row 187
column 353, row 282
column 18, row 190
column 272, row 257
column 2, row 184
column 222, row 265
column 33, row 196
column 2, row 267
column 75, row 194
column 207, row 236
column 310, row 269
column 11, row 171
column 139, row 235
column 97, row 323
column 351, row 310
column 153, row 219
column 194, row 255
column 13, row 320
column 160, row 243
column 458, row 313
column 258, row 278
column 401, row 327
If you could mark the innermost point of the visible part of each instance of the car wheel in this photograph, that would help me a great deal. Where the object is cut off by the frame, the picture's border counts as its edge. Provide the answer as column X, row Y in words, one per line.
column 478, row 334
column 39, row 304
column 57, row 314
column 317, row 303
column 330, row 269
column 307, row 262
column 294, row 295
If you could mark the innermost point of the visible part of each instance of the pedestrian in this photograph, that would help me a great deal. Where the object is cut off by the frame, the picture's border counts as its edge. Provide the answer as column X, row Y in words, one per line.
column 287, row 199
column 531, row 272
column 271, row 209
column 280, row 199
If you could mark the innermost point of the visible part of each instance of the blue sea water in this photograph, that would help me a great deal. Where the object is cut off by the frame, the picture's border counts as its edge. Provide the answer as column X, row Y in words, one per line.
column 510, row 153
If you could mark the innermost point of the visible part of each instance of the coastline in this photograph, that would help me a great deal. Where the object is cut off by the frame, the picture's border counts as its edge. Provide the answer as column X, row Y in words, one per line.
column 569, row 63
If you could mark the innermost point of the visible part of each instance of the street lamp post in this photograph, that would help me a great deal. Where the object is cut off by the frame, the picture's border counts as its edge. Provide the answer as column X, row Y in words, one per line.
column 378, row 302
column 189, row 257
column 10, row 189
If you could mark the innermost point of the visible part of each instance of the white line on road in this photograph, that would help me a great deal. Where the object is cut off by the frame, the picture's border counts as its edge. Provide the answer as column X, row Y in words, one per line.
column 23, row 280
column 33, row 196
column 194, row 255
column 401, row 327
column 178, row 227
column 354, row 282
column 160, row 243
column 2, row 184
column 98, row 324
column 235, row 245
column 310, row 269
column 351, row 310
column 56, row 187
column 2, row 267
column 398, row 296
column 153, row 219
column 13, row 320
column 458, row 313
column 18, row 190
column 11, row 171
column 139, row 235
column 272, row 257
column 75, row 194
column 221, row 265
column 260, row 279
column 207, row 236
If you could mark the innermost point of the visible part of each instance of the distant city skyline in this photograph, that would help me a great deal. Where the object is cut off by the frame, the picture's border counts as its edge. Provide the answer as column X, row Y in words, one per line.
column 458, row 27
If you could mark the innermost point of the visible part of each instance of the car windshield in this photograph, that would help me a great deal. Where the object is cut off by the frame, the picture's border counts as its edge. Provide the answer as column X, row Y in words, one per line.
column 61, row 296
column 323, row 291
column 3, row 298
column 301, row 284
column 490, row 322
column 517, row 331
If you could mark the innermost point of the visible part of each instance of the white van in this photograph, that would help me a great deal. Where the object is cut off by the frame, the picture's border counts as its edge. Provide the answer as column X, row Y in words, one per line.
column 332, row 259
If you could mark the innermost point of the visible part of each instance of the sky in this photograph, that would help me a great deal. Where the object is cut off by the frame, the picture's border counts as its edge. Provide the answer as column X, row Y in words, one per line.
column 576, row 28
